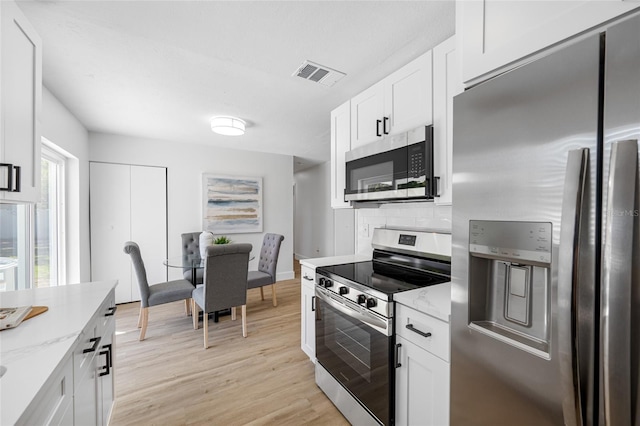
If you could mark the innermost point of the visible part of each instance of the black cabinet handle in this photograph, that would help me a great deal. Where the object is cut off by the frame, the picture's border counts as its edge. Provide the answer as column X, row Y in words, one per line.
column 385, row 128
column 10, row 181
column 96, row 342
column 307, row 278
column 378, row 122
column 108, row 360
column 112, row 311
column 415, row 330
column 398, row 346
column 313, row 303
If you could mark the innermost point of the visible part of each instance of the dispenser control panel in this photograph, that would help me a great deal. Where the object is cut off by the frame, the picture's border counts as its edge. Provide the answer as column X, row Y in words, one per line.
column 517, row 241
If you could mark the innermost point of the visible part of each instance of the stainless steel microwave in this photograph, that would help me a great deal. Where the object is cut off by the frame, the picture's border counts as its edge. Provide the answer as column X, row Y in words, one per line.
column 396, row 168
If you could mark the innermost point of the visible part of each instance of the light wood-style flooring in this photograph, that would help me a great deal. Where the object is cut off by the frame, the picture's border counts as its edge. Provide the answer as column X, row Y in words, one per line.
column 264, row 379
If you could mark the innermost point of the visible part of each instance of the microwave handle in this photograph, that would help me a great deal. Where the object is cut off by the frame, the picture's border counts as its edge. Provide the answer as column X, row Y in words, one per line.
column 436, row 185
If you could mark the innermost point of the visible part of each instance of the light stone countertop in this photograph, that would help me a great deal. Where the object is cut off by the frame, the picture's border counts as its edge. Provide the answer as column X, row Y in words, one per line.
column 434, row 300
column 32, row 351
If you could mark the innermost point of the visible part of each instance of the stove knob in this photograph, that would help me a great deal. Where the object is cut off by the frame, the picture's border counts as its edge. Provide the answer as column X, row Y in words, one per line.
column 328, row 283
column 321, row 282
column 362, row 298
column 343, row 290
column 371, row 302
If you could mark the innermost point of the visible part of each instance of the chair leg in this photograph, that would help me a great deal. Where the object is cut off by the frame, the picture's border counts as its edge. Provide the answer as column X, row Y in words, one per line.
column 244, row 320
column 194, row 314
column 145, row 320
column 205, row 320
column 273, row 294
column 187, row 306
column 233, row 313
column 140, row 316
column 261, row 294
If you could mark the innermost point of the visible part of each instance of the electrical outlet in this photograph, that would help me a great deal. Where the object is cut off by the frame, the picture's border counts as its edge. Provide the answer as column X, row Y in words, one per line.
column 364, row 230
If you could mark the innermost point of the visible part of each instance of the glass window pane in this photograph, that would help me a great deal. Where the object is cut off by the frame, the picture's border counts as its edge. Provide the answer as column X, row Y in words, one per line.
column 14, row 247
column 46, row 226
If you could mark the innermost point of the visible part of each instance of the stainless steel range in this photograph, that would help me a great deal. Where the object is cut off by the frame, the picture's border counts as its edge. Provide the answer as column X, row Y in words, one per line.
column 354, row 319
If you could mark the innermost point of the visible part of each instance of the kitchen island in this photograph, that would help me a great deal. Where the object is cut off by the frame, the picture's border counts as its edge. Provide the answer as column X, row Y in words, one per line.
column 53, row 362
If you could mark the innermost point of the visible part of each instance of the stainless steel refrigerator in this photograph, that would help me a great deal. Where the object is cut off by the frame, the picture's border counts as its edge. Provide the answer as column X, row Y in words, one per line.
column 546, row 251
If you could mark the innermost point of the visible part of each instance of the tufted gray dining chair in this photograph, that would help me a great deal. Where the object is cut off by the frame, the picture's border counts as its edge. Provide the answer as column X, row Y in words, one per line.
column 225, row 284
column 267, row 264
column 157, row 294
column 191, row 249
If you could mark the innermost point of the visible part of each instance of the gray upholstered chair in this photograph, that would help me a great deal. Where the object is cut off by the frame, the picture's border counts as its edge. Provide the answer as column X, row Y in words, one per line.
column 191, row 249
column 225, row 284
column 157, row 294
column 267, row 264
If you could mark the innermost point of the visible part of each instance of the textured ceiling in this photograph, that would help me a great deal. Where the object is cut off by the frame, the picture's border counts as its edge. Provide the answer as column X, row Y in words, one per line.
column 162, row 69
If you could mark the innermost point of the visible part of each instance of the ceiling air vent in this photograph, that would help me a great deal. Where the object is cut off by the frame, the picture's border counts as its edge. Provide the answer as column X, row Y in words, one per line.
column 318, row 73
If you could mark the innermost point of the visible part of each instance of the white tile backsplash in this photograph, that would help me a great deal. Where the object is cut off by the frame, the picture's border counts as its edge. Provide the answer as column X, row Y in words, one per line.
column 423, row 216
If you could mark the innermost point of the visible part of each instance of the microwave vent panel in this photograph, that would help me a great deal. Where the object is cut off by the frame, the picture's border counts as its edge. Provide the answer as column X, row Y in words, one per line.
column 318, row 73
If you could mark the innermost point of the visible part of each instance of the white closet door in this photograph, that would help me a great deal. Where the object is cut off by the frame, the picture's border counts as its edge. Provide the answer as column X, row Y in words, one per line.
column 149, row 220
column 110, row 209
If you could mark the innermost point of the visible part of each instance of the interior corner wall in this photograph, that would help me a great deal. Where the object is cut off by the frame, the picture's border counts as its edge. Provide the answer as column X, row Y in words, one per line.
column 185, row 165
column 64, row 130
column 314, row 221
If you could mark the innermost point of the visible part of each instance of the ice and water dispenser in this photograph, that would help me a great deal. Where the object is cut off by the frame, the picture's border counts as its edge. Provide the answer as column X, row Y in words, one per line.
column 509, row 282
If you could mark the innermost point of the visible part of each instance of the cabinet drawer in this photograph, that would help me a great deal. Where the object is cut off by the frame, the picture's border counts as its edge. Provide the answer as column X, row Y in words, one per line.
column 87, row 348
column 52, row 406
column 413, row 325
column 308, row 274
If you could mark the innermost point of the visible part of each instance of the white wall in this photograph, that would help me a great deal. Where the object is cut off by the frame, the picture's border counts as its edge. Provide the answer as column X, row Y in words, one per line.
column 314, row 221
column 185, row 164
column 61, row 128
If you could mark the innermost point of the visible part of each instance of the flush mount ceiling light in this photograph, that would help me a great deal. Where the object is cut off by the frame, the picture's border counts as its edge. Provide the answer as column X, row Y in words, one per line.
column 228, row 126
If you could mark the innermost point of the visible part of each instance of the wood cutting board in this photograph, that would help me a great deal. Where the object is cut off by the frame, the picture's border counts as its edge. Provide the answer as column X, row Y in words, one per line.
column 36, row 310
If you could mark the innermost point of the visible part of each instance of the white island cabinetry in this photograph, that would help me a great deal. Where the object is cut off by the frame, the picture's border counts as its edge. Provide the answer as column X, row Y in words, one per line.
column 59, row 364
column 423, row 362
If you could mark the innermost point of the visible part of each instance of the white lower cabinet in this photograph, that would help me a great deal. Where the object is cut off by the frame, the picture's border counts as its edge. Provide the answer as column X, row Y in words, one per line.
column 422, row 369
column 308, row 323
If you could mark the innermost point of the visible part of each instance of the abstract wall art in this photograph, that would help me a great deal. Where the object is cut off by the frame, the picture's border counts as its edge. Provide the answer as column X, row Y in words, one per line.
column 231, row 204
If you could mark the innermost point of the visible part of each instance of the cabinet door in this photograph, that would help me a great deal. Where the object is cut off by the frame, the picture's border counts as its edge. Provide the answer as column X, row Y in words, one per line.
column 447, row 83
column 422, row 387
column 110, row 207
column 85, row 375
column 105, row 394
column 340, row 144
column 308, row 332
column 408, row 96
column 21, row 99
column 149, row 221
column 496, row 34
column 367, row 112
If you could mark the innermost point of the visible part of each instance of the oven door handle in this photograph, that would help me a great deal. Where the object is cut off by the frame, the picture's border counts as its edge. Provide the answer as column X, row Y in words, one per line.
column 365, row 317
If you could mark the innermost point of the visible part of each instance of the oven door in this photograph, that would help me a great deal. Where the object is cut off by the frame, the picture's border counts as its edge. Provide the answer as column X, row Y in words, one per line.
column 355, row 347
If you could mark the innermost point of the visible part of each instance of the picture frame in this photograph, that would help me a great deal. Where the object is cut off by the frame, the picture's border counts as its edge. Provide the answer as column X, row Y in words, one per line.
column 231, row 204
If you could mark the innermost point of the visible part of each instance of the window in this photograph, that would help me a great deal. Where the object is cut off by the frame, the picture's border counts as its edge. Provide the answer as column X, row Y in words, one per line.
column 49, row 221
column 32, row 237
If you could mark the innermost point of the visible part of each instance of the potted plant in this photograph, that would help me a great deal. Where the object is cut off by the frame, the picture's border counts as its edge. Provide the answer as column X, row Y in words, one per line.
column 222, row 240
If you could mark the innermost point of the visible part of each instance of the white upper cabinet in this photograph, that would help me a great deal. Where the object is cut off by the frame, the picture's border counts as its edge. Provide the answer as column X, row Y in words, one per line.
column 496, row 35
column 340, row 144
column 20, row 106
column 447, row 82
column 400, row 102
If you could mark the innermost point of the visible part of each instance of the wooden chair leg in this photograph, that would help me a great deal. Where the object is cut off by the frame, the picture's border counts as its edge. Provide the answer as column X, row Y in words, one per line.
column 233, row 313
column 194, row 314
column 145, row 320
column 140, row 316
column 273, row 294
column 244, row 320
column 261, row 294
column 205, row 320
column 187, row 306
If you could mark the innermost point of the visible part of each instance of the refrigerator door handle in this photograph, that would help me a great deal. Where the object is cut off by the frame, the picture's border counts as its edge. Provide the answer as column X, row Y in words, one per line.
column 569, row 255
column 617, row 261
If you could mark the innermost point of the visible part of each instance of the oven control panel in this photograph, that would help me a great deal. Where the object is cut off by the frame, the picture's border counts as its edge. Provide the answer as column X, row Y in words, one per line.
column 356, row 295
